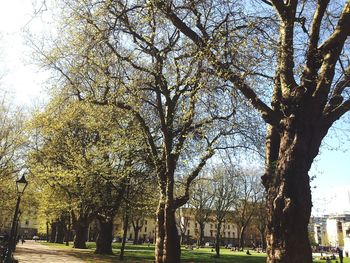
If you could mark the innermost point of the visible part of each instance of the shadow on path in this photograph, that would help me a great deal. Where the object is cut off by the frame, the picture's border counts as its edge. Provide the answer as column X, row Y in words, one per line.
column 34, row 252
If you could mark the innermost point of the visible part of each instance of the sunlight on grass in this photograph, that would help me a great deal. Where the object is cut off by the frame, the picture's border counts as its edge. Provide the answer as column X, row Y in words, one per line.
column 145, row 253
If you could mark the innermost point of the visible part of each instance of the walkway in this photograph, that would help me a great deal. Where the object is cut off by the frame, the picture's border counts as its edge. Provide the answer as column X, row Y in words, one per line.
column 34, row 252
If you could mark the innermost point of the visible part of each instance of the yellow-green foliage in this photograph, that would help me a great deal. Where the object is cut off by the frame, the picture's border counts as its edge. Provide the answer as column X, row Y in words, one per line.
column 79, row 149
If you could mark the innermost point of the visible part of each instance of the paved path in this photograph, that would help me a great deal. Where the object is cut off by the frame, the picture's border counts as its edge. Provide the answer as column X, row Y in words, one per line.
column 34, row 252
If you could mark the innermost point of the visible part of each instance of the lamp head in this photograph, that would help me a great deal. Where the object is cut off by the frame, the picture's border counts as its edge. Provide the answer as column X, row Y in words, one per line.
column 21, row 184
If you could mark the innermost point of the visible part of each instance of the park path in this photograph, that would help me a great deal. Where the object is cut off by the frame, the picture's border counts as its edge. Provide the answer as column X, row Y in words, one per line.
column 34, row 252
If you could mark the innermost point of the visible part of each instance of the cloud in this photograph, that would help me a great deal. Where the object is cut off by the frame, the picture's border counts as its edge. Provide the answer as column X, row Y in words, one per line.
column 335, row 200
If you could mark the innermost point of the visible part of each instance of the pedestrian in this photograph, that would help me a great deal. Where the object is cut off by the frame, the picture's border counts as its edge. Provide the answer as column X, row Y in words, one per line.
column 340, row 253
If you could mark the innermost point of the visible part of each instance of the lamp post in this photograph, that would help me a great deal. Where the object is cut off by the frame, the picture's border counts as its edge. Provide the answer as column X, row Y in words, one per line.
column 21, row 185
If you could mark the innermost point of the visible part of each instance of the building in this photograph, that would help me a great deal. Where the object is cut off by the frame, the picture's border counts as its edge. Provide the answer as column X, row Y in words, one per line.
column 318, row 230
column 188, row 229
column 146, row 227
column 27, row 225
column 331, row 230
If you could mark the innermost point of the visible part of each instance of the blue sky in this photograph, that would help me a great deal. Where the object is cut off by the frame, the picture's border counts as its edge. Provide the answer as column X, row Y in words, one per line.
column 331, row 168
column 25, row 82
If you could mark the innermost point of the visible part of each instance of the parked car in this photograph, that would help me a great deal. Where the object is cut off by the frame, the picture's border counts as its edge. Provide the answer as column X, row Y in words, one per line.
column 116, row 240
column 36, row 238
column 209, row 244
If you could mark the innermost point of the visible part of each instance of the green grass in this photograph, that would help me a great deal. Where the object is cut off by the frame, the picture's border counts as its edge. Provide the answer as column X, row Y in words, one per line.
column 145, row 253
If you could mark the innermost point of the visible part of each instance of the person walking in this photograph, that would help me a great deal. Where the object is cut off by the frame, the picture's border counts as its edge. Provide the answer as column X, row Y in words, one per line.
column 340, row 254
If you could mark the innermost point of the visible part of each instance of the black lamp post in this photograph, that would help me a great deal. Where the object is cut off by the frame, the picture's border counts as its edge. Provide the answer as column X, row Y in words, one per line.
column 21, row 185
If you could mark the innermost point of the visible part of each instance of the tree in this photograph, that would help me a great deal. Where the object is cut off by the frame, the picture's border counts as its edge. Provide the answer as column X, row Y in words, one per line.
column 118, row 56
column 306, row 47
column 183, row 224
column 250, row 194
column 75, row 157
column 224, row 193
column 142, row 200
column 12, row 145
column 202, row 197
column 260, row 221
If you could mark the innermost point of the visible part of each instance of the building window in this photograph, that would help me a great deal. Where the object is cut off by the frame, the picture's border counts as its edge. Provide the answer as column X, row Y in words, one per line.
column 228, row 226
column 340, row 227
column 211, row 233
column 195, row 225
column 27, row 222
column 145, row 222
column 211, row 225
column 188, row 232
column 130, row 236
column 229, row 234
column 146, row 229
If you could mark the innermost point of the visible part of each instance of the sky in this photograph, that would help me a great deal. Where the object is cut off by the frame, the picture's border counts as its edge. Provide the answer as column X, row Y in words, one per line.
column 20, row 78
column 26, row 83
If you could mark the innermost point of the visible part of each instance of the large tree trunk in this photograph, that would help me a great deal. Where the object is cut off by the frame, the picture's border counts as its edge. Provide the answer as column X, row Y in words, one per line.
column 217, row 240
column 59, row 232
column 172, row 251
column 288, row 193
column 241, row 238
column 168, row 243
column 136, row 239
column 80, row 227
column 104, row 237
column 262, row 239
column 67, row 234
column 160, row 234
column 47, row 232
column 125, row 232
column 53, row 232
column 201, row 234
column 182, row 238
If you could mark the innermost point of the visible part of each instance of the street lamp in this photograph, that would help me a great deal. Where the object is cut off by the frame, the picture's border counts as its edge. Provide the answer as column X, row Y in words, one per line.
column 21, row 185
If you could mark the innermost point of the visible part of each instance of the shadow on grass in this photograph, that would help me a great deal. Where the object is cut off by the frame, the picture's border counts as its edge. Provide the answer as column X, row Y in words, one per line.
column 145, row 253
column 198, row 256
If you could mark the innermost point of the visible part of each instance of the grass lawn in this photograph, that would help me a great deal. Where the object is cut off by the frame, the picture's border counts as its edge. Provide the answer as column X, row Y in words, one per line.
column 145, row 253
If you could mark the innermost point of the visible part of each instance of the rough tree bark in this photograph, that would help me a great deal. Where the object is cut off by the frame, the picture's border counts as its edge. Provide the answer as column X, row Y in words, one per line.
column 59, row 237
column 289, row 194
column 80, row 226
column 125, row 232
column 167, row 243
column 218, row 240
column 67, row 234
column 160, row 233
column 201, row 234
column 104, row 237
column 47, row 232
column 137, row 224
column 241, row 238
column 53, row 232
column 298, row 119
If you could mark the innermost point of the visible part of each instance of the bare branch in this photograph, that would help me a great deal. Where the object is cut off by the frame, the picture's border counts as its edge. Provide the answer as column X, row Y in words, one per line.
column 313, row 59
